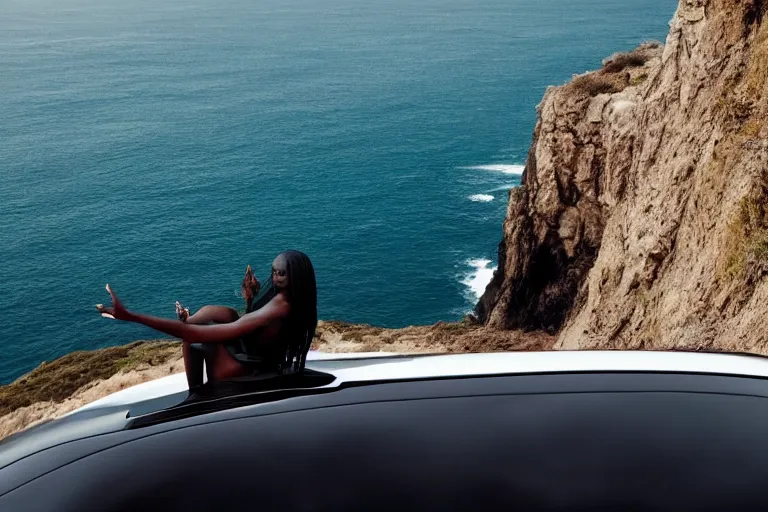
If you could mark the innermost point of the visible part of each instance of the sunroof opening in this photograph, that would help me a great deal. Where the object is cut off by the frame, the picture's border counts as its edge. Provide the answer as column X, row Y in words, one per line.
column 226, row 395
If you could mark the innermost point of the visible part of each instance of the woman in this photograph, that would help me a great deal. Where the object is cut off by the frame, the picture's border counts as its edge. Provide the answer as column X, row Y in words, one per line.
column 280, row 331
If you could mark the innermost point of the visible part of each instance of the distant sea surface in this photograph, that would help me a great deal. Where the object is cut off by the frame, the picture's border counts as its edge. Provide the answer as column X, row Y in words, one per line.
column 161, row 146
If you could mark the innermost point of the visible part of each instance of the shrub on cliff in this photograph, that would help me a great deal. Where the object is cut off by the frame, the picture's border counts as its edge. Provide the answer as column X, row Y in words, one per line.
column 638, row 57
column 598, row 83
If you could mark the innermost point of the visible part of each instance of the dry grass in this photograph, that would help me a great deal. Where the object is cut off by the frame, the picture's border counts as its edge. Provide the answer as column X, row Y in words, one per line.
column 596, row 83
column 751, row 129
column 757, row 71
column 638, row 57
column 446, row 337
column 744, row 90
column 747, row 234
column 621, row 61
column 353, row 332
column 639, row 79
column 619, row 71
column 734, row 108
column 728, row 104
column 59, row 379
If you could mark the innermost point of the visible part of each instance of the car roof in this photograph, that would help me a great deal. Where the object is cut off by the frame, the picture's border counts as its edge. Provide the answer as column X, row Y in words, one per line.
column 465, row 365
column 627, row 423
column 163, row 403
column 370, row 367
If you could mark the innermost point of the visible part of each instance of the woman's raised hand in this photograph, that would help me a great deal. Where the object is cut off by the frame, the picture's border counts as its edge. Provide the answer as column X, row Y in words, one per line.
column 250, row 286
column 117, row 311
column 182, row 312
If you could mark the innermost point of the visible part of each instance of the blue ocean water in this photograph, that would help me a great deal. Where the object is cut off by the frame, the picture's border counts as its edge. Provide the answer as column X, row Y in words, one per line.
column 161, row 146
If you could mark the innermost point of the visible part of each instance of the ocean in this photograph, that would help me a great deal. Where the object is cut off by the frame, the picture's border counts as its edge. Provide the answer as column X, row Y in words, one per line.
column 162, row 146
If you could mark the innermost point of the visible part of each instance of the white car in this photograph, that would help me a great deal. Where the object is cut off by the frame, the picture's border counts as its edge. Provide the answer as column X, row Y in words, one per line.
column 513, row 431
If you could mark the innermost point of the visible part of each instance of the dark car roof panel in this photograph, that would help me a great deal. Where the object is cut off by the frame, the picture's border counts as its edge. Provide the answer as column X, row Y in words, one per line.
column 32, row 463
column 637, row 450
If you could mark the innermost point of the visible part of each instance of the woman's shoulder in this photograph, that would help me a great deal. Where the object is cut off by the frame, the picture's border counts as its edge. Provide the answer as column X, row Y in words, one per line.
column 269, row 300
column 280, row 300
column 278, row 305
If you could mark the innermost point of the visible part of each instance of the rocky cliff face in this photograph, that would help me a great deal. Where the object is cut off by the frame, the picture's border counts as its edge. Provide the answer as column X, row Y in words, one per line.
column 642, row 220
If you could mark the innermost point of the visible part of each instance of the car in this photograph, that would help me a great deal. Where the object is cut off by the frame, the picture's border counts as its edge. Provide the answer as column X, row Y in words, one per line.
column 586, row 430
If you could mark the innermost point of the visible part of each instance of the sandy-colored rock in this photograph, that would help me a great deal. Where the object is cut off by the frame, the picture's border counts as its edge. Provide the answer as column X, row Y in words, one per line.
column 641, row 222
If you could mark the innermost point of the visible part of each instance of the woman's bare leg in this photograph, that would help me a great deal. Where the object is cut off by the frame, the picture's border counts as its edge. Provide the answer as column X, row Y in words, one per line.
column 193, row 365
column 219, row 364
column 193, row 359
column 213, row 314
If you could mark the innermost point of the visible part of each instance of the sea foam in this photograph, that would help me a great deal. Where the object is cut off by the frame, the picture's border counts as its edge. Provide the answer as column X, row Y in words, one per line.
column 478, row 278
column 505, row 168
column 481, row 198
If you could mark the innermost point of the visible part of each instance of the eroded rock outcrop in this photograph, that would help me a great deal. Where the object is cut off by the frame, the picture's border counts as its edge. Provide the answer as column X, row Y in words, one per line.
column 642, row 219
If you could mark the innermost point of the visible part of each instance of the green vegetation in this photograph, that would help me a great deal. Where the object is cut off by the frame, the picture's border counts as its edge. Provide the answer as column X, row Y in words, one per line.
column 59, row 379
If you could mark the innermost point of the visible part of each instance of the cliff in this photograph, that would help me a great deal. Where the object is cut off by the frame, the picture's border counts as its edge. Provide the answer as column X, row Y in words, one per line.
column 642, row 219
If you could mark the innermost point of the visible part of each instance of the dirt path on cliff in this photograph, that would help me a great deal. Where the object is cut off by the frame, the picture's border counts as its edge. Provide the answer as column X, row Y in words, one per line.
column 65, row 384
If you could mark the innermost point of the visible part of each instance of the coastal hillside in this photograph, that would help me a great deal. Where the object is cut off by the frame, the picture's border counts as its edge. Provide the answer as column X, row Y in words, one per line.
column 642, row 221
column 64, row 384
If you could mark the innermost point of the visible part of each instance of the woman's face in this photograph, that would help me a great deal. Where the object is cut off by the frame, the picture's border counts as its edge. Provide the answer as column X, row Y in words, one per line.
column 280, row 272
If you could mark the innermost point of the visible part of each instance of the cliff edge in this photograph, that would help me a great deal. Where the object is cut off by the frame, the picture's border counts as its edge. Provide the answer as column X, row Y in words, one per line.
column 642, row 219
column 60, row 386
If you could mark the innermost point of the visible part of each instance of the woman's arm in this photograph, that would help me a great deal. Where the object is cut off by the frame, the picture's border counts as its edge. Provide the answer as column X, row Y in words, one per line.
column 278, row 307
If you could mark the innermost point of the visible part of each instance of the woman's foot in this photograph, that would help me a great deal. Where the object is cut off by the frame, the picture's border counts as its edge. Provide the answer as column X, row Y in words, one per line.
column 182, row 312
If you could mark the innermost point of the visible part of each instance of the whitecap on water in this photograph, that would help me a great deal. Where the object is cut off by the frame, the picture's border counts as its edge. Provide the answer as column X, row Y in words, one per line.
column 481, row 198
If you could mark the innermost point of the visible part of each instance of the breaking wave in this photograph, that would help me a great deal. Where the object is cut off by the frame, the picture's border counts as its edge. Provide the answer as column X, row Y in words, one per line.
column 505, row 168
column 481, row 198
column 477, row 278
